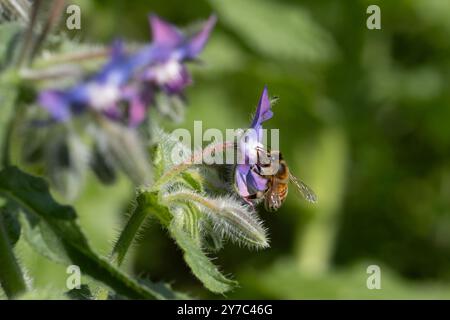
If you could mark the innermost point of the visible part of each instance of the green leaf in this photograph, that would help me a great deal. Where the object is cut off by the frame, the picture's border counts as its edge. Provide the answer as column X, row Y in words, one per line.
column 32, row 195
column 212, row 241
column 40, row 236
column 191, row 219
column 277, row 30
column 193, row 180
column 200, row 264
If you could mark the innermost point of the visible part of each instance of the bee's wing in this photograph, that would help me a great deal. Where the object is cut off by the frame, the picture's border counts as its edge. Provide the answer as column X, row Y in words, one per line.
column 306, row 191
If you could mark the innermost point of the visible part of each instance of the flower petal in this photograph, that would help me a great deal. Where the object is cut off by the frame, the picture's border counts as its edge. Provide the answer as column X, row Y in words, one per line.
column 255, row 182
column 178, row 83
column 248, row 145
column 56, row 103
column 248, row 182
column 118, row 70
column 138, row 107
column 263, row 111
column 241, row 179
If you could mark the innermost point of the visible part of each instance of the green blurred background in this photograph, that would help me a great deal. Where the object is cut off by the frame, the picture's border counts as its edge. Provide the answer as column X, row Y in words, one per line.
column 363, row 118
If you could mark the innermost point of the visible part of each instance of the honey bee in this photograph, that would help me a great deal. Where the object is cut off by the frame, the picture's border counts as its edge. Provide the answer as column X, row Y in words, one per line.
column 272, row 165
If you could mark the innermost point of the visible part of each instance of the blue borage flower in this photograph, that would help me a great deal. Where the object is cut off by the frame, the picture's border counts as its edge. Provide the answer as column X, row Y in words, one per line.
column 248, row 181
column 132, row 79
column 101, row 92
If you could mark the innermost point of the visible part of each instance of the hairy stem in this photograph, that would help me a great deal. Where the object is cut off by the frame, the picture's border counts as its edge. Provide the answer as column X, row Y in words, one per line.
column 11, row 277
column 124, row 242
column 72, row 57
column 188, row 196
column 147, row 203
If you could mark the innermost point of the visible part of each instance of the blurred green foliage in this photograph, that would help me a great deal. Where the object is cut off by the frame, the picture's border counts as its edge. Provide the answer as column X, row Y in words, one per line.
column 363, row 117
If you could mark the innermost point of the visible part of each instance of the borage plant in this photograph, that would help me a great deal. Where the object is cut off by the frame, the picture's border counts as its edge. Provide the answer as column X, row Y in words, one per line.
column 73, row 107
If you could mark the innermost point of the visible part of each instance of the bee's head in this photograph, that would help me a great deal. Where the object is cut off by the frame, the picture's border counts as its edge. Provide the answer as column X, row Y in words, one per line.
column 269, row 162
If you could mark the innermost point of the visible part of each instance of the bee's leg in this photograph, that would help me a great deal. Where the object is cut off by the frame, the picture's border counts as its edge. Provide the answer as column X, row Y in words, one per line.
column 251, row 197
column 248, row 199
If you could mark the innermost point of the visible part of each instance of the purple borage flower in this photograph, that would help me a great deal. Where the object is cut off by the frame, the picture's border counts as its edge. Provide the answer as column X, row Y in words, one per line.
column 101, row 92
column 248, row 181
column 132, row 80
column 169, row 51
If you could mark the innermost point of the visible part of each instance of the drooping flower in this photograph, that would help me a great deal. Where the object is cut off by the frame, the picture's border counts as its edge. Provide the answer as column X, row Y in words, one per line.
column 132, row 79
column 164, row 65
column 248, row 181
column 101, row 92
column 164, row 68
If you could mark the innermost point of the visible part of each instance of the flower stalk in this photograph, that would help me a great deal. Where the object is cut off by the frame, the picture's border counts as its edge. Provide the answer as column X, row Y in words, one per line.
column 192, row 161
column 128, row 233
